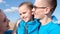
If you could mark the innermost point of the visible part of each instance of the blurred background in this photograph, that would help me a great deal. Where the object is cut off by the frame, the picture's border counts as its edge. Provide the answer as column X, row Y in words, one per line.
column 10, row 8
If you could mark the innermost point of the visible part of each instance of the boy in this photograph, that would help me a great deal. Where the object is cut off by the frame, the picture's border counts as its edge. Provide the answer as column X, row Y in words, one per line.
column 43, row 10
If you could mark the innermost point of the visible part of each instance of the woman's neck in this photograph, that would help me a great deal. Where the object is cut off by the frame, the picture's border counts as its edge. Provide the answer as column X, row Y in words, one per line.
column 1, row 32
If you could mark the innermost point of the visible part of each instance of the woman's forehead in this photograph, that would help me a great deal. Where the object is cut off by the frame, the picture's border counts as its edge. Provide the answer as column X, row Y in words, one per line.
column 2, row 16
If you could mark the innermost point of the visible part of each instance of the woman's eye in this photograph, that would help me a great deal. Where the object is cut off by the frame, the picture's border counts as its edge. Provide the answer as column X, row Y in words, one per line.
column 4, row 20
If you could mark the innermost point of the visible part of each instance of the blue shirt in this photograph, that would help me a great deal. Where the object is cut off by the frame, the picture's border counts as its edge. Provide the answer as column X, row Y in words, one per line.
column 50, row 28
column 32, row 27
column 8, row 32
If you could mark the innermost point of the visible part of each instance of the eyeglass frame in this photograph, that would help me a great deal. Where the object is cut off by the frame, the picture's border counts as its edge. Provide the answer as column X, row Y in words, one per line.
column 39, row 7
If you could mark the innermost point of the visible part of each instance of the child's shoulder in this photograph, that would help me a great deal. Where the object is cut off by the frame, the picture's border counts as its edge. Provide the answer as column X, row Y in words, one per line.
column 36, row 20
column 18, row 21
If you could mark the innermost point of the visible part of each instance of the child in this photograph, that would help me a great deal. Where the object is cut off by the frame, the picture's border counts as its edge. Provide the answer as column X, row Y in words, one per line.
column 28, row 25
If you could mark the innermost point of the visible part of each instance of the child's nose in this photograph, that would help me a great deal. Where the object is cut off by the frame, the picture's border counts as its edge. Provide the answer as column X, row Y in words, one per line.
column 22, row 16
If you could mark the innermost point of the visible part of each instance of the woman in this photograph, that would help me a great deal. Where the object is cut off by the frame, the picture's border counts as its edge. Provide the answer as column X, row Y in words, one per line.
column 4, row 24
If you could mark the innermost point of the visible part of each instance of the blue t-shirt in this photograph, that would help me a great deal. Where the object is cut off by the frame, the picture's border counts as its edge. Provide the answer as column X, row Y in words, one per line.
column 32, row 27
column 8, row 32
column 50, row 28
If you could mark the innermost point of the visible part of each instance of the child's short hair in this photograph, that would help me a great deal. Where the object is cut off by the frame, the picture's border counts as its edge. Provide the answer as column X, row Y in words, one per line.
column 28, row 4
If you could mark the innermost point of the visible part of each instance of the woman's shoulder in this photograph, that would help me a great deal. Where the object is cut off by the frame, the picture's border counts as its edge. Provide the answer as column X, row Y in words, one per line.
column 8, row 32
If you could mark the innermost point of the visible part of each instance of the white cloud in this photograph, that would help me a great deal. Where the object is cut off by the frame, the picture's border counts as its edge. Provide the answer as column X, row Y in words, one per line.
column 12, row 9
column 1, row 1
column 7, row 10
column 4, row 3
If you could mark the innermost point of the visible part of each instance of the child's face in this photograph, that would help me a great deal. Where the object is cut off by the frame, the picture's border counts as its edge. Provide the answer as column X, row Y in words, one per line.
column 25, row 13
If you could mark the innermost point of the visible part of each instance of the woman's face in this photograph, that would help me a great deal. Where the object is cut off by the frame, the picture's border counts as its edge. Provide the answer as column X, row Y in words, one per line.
column 4, row 23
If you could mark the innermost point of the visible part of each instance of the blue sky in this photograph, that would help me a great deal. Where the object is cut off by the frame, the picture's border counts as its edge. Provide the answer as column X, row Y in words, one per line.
column 10, row 8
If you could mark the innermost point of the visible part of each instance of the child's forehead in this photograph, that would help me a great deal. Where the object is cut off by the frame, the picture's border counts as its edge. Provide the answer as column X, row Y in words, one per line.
column 24, row 7
column 25, row 10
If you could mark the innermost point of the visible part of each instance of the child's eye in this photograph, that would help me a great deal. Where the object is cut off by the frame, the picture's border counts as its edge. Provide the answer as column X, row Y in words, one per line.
column 20, row 14
column 24, row 12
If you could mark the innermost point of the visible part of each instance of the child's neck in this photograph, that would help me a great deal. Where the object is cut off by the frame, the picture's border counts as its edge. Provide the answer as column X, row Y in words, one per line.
column 30, row 20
